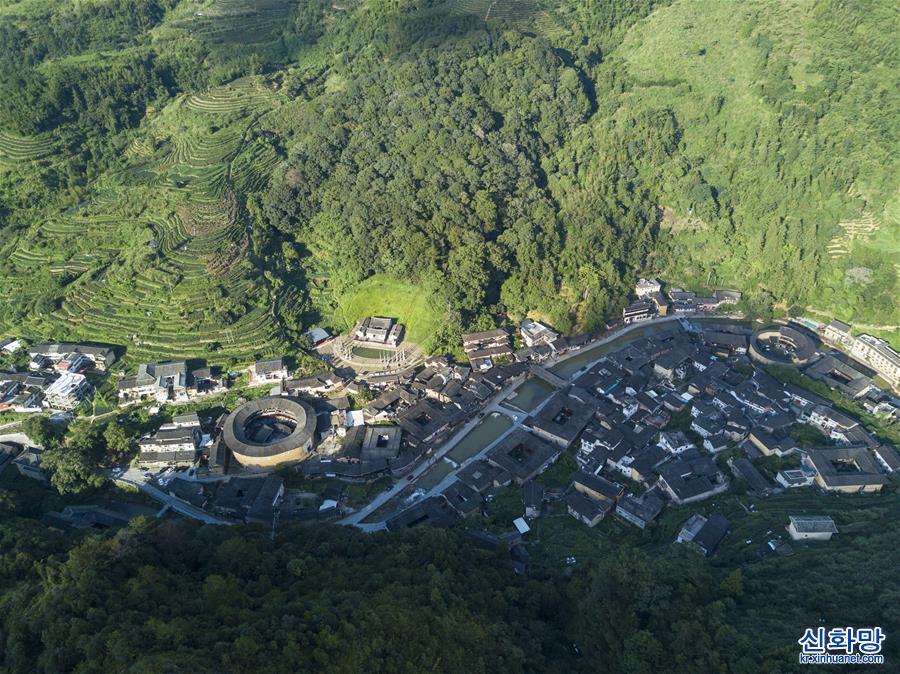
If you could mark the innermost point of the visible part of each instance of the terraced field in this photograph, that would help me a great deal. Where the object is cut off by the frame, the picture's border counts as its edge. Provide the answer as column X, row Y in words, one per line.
column 238, row 96
column 182, row 287
column 246, row 22
column 506, row 10
column 862, row 229
column 15, row 148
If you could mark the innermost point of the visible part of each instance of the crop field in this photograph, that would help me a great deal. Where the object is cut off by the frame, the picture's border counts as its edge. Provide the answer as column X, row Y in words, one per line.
column 381, row 295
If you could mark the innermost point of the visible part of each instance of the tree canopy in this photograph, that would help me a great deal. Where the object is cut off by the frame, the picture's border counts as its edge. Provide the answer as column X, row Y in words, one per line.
column 176, row 596
column 523, row 157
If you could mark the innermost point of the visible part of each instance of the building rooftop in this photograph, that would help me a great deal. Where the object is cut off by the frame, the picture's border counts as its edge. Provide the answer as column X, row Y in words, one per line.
column 532, row 494
column 522, row 454
column 850, row 466
column 170, row 436
column 463, row 498
column 481, row 475
column 689, row 476
column 318, row 335
column 882, row 348
column 93, row 350
column 839, row 326
column 813, row 524
column 746, row 471
column 565, row 415
column 423, row 420
column 725, row 340
column 837, row 373
column 268, row 366
column 711, row 533
column 596, row 483
column 188, row 419
column 889, row 456
column 645, row 507
column 587, row 508
column 433, row 511
column 381, row 442
column 474, row 339
column 835, row 416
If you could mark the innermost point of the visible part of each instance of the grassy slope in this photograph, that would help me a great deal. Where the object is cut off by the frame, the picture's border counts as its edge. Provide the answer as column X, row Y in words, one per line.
column 688, row 53
column 382, row 295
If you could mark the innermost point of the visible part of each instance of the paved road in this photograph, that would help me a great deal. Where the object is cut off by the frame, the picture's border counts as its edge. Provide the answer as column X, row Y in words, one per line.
column 517, row 424
column 136, row 478
column 21, row 438
column 606, row 339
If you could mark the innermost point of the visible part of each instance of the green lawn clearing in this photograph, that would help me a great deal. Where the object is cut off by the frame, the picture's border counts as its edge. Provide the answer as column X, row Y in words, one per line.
column 366, row 352
column 382, row 295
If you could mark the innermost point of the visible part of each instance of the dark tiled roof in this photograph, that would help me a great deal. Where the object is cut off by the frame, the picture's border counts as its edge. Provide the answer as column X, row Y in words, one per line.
column 712, row 533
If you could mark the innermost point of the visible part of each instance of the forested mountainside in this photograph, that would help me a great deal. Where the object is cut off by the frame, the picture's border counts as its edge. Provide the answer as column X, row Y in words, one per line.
column 172, row 596
column 187, row 177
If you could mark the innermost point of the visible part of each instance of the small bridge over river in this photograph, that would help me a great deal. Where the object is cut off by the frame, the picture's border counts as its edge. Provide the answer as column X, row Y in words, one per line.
column 547, row 376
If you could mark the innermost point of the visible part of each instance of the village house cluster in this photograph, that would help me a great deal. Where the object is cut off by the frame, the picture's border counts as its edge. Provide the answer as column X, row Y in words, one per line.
column 56, row 378
column 651, row 301
column 174, row 444
column 169, row 381
column 641, row 386
column 868, row 350
column 646, row 423
column 540, row 343
column 243, row 499
column 413, row 414
column 632, row 459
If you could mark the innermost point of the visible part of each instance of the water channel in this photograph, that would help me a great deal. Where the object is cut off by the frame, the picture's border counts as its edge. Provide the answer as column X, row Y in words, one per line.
column 485, row 432
column 530, row 394
column 573, row 365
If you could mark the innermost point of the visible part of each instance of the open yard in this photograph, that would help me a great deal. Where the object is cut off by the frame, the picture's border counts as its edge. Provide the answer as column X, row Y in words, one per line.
column 368, row 352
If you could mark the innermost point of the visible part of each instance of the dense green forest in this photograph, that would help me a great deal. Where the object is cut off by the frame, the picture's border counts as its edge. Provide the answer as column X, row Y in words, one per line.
column 173, row 596
column 197, row 178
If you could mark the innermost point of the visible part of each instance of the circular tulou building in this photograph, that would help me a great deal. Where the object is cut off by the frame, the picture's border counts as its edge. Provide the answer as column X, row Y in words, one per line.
column 781, row 345
column 270, row 431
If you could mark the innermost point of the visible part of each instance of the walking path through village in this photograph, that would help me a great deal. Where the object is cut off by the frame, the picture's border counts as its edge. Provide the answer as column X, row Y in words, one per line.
column 136, row 478
column 518, row 417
